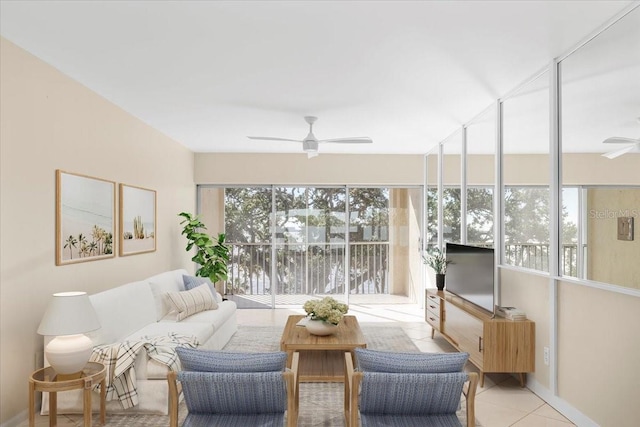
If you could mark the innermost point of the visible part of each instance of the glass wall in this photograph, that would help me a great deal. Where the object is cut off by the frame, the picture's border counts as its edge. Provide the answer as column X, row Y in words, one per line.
column 526, row 175
column 481, row 181
column 451, row 191
column 431, row 201
column 600, row 108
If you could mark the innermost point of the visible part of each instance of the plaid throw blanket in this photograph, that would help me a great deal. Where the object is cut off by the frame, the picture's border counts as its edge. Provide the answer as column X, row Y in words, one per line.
column 119, row 359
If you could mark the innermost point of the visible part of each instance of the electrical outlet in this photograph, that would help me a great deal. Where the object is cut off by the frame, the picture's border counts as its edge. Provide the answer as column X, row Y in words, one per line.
column 546, row 356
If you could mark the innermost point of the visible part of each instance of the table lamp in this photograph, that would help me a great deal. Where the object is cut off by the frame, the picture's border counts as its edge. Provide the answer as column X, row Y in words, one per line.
column 69, row 315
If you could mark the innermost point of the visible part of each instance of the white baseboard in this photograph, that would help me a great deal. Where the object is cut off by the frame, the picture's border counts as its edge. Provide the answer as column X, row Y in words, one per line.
column 560, row 405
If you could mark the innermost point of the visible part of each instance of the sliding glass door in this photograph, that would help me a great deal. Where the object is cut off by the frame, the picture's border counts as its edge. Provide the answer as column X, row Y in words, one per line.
column 292, row 242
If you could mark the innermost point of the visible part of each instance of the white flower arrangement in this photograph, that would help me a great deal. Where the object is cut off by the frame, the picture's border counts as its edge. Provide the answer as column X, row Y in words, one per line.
column 327, row 309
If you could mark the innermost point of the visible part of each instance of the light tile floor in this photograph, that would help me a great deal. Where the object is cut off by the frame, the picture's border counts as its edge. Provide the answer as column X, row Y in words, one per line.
column 500, row 403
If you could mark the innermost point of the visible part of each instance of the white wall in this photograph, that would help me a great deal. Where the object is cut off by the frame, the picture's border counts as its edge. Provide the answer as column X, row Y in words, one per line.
column 49, row 122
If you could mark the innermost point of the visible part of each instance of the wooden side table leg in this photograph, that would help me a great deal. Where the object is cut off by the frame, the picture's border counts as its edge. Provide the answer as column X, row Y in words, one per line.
column 32, row 404
column 103, row 398
column 87, row 407
column 53, row 409
column 481, row 379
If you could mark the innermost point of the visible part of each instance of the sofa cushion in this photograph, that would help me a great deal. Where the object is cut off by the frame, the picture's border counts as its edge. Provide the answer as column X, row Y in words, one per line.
column 221, row 361
column 202, row 331
column 169, row 281
column 387, row 361
column 194, row 301
column 191, row 282
column 122, row 310
column 217, row 318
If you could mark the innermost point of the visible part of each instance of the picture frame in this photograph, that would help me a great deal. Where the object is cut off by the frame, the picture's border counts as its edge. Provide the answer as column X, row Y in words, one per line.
column 137, row 232
column 85, row 218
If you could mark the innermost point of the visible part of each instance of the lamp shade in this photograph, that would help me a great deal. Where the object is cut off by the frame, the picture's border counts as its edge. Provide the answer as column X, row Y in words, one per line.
column 69, row 313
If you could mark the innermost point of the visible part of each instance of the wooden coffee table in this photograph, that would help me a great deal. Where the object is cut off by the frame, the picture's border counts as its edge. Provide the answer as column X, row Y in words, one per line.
column 321, row 357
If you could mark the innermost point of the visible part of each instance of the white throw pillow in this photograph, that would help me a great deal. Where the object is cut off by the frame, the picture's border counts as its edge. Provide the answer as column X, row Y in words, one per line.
column 194, row 301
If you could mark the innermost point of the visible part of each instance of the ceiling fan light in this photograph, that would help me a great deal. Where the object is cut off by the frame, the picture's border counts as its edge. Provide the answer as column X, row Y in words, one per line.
column 310, row 145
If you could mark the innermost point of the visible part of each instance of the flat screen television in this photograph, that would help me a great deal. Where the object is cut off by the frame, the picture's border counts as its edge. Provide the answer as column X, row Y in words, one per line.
column 470, row 274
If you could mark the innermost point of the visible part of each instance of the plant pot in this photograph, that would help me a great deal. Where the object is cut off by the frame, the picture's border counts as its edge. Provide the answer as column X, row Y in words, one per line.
column 440, row 281
column 320, row 327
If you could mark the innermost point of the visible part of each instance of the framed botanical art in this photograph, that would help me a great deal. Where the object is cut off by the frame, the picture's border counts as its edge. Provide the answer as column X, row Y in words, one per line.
column 85, row 218
column 137, row 220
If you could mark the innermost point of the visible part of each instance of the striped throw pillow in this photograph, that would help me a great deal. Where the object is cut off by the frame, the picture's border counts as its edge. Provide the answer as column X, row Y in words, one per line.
column 188, row 303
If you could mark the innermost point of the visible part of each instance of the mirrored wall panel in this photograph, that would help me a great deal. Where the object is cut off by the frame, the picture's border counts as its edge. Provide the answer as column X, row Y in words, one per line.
column 600, row 87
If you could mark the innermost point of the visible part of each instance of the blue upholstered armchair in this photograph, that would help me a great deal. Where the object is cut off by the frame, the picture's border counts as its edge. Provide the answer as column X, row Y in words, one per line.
column 234, row 389
column 407, row 389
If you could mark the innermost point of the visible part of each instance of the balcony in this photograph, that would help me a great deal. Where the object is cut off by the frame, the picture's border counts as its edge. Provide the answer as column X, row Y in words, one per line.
column 308, row 269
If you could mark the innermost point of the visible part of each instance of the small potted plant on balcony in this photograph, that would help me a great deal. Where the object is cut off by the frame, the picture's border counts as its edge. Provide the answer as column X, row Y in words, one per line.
column 437, row 260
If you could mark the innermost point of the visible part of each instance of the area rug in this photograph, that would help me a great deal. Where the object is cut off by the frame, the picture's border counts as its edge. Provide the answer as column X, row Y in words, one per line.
column 321, row 404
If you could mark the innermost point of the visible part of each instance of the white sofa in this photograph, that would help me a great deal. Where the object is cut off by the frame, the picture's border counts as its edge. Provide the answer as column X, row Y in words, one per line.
column 141, row 309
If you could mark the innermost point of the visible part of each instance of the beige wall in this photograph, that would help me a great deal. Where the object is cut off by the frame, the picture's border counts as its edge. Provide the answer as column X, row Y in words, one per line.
column 533, row 169
column 598, row 344
column 405, row 273
column 598, row 353
column 481, row 169
column 338, row 169
column 594, row 169
column 611, row 260
column 530, row 292
column 49, row 122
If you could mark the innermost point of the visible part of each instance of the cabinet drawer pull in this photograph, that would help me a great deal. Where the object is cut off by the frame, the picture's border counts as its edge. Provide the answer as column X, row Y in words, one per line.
column 433, row 319
column 432, row 306
column 480, row 344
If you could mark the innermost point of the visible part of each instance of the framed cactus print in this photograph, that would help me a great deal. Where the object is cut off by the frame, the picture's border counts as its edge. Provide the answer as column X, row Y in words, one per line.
column 137, row 220
column 85, row 218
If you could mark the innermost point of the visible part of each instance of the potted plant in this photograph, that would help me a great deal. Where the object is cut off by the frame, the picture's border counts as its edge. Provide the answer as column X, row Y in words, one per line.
column 325, row 314
column 437, row 260
column 211, row 255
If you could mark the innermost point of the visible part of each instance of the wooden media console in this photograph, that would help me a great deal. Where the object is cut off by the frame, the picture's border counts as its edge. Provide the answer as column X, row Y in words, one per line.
column 493, row 344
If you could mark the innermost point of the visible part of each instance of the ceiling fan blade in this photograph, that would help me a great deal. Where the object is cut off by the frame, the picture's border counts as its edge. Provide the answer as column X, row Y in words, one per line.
column 620, row 140
column 355, row 140
column 616, row 153
column 268, row 138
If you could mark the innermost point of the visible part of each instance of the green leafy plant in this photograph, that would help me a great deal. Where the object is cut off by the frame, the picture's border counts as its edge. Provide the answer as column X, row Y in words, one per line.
column 327, row 309
column 437, row 260
column 211, row 255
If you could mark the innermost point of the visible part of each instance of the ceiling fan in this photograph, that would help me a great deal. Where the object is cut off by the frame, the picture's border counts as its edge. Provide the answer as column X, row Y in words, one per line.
column 633, row 147
column 310, row 142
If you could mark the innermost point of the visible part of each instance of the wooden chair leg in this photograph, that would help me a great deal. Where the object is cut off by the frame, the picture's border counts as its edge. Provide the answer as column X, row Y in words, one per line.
column 470, row 396
column 174, row 396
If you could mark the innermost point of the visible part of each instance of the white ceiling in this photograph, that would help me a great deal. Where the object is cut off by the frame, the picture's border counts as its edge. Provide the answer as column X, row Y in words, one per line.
column 208, row 74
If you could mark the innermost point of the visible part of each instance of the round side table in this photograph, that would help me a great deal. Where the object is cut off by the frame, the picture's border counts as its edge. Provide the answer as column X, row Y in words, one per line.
column 46, row 380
